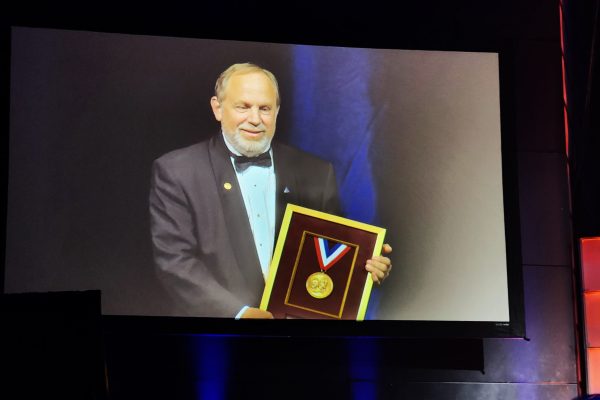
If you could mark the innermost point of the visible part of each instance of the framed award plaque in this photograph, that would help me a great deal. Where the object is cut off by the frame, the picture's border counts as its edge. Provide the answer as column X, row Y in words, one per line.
column 318, row 267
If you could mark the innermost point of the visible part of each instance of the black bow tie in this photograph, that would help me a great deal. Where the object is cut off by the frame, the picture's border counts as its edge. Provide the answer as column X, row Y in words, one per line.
column 243, row 162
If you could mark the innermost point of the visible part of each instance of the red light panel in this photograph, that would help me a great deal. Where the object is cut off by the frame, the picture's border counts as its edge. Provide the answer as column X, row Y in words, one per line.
column 593, row 370
column 590, row 263
column 592, row 318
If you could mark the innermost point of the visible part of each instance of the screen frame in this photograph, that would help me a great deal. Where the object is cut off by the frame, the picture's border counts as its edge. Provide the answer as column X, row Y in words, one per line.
column 514, row 328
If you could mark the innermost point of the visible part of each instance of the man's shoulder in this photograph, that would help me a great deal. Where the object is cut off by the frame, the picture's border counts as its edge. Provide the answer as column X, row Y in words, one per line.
column 295, row 155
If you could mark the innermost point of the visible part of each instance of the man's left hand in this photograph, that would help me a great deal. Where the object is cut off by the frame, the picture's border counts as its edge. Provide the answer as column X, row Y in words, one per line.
column 380, row 266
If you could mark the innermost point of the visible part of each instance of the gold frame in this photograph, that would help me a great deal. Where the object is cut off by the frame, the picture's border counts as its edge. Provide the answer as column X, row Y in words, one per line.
column 285, row 224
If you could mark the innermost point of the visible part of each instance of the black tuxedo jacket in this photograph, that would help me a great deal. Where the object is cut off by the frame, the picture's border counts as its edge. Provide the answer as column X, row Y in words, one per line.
column 203, row 245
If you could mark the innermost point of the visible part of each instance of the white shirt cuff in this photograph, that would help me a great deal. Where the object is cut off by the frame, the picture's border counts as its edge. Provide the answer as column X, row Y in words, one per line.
column 242, row 311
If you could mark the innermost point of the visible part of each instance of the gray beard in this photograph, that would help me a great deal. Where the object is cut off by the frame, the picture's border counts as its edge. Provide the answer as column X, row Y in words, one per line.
column 249, row 148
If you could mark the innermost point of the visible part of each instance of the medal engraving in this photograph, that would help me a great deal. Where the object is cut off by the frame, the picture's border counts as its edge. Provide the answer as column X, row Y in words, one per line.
column 319, row 285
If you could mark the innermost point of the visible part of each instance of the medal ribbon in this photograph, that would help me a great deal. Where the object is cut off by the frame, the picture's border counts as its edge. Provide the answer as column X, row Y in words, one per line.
column 328, row 257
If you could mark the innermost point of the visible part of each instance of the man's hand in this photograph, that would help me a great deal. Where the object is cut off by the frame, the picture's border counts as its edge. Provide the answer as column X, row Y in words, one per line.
column 252, row 312
column 380, row 266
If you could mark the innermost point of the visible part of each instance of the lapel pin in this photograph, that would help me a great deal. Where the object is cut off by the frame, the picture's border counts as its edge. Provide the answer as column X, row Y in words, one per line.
column 286, row 190
column 227, row 186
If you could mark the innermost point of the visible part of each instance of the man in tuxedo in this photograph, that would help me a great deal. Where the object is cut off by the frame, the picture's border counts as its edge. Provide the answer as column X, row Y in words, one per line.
column 215, row 206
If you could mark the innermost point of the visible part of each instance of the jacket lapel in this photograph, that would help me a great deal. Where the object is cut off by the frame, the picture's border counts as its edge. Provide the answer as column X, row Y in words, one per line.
column 234, row 212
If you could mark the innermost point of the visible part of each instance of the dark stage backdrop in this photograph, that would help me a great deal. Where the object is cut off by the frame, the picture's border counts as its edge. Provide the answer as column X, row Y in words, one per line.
column 414, row 137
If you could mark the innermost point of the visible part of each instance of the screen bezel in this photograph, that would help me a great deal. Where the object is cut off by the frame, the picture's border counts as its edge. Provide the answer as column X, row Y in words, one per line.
column 515, row 328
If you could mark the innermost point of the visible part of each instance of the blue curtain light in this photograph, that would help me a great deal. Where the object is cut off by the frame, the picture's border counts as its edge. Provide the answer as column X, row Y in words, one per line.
column 331, row 118
column 211, row 355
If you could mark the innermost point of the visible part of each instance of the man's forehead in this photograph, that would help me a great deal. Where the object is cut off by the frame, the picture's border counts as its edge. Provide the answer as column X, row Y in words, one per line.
column 245, row 84
column 245, row 76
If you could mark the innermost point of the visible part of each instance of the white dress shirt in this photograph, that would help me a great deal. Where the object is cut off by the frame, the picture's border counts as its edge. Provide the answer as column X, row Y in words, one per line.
column 257, row 185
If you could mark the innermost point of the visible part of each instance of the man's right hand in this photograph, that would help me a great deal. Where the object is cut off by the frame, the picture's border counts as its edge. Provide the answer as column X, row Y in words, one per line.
column 252, row 312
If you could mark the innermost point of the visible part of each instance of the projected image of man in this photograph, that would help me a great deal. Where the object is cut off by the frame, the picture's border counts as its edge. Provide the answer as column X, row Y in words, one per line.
column 215, row 206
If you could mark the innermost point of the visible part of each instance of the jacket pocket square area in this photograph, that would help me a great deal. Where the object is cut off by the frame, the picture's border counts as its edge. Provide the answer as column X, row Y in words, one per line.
column 286, row 190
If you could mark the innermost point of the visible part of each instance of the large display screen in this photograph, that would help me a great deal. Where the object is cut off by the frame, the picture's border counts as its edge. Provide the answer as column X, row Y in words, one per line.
column 414, row 136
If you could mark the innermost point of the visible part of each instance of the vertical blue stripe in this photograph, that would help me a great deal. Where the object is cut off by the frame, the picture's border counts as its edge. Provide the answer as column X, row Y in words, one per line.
column 331, row 118
column 211, row 354
column 363, row 390
column 363, row 358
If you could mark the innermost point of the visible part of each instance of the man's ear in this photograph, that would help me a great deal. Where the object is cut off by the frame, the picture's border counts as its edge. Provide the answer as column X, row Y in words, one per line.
column 216, row 108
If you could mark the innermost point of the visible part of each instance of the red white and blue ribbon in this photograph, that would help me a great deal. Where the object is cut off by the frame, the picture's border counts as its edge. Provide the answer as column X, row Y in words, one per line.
column 329, row 256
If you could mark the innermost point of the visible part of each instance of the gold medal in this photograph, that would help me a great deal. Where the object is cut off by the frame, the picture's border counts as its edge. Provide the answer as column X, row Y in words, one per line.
column 319, row 285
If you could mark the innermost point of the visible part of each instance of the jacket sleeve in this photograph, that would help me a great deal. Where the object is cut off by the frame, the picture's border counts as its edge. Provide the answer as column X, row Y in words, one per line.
column 182, row 268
